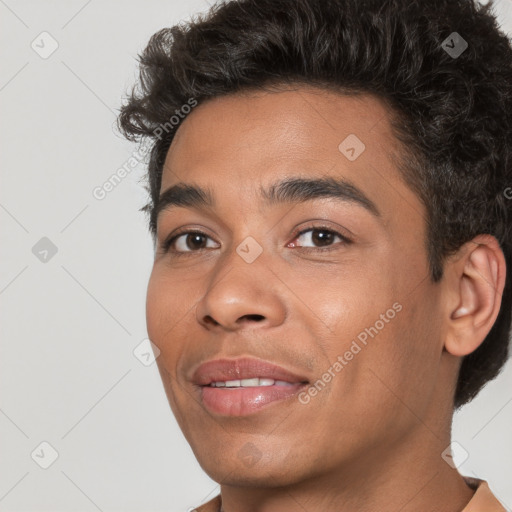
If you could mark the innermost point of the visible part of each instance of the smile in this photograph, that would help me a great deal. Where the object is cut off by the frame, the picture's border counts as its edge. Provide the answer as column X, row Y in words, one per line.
column 249, row 383
column 245, row 386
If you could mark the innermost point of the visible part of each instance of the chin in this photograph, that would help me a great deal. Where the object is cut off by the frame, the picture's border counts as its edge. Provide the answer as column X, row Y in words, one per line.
column 265, row 477
column 248, row 468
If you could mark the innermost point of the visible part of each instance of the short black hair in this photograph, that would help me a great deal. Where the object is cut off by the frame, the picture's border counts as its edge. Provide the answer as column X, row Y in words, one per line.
column 452, row 113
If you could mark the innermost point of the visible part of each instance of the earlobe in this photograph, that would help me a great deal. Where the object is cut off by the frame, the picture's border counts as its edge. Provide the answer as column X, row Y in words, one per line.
column 480, row 279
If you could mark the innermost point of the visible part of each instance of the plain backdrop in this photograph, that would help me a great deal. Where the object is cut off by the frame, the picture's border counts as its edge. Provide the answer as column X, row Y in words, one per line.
column 77, row 393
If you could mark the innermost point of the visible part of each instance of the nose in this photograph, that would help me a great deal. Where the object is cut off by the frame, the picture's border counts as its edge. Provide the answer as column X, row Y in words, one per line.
column 241, row 294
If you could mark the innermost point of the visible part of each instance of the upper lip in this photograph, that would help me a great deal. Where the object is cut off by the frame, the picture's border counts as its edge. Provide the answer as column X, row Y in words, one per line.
column 220, row 370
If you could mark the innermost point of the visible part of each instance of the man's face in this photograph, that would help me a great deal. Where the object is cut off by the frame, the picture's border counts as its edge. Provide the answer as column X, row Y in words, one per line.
column 354, row 289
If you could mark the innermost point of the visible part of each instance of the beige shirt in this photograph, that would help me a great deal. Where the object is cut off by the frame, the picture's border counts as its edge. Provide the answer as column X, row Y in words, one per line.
column 482, row 501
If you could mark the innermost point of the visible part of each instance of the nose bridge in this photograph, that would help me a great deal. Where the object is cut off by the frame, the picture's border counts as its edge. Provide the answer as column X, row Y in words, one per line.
column 242, row 266
column 249, row 234
column 240, row 287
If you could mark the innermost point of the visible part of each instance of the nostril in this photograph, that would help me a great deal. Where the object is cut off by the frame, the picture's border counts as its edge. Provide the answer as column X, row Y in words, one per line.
column 253, row 317
column 209, row 320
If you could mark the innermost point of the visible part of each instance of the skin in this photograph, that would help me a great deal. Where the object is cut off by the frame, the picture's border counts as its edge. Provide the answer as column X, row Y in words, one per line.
column 372, row 438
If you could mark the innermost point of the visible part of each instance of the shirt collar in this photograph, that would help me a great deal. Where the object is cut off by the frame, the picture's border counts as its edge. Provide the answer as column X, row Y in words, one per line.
column 482, row 501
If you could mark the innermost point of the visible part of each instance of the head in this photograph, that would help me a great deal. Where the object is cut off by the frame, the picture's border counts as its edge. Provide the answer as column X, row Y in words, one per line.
column 365, row 170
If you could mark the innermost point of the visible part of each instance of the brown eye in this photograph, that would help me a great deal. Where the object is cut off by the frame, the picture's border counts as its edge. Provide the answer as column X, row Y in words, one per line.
column 186, row 242
column 319, row 237
column 195, row 241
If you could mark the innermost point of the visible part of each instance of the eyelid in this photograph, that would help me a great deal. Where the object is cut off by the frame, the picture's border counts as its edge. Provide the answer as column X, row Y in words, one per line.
column 320, row 227
column 171, row 239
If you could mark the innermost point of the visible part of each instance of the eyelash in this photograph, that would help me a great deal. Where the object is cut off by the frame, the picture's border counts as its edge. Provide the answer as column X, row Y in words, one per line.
column 166, row 245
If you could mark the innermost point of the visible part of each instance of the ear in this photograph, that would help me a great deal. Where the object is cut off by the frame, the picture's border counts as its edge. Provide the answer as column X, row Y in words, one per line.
column 477, row 278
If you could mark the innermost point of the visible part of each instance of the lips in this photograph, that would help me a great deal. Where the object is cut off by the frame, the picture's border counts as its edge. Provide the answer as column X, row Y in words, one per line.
column 222, row 370
column 240, row 387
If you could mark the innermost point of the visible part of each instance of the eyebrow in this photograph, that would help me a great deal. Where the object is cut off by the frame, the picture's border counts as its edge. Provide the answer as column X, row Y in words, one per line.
column 288, row 190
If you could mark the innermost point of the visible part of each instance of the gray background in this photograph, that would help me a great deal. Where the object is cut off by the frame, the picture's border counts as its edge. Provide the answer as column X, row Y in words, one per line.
column 72, row 320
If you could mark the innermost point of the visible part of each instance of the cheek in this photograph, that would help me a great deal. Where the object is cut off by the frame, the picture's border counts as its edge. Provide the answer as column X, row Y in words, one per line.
column 156, row 303
column 169, row 301
column 403, row 360
column 167, row 313
column 165, row 316
column 341, row 299
column 389, row 348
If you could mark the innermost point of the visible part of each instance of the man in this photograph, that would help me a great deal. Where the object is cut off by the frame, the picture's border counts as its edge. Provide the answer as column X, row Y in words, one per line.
column 329, row 205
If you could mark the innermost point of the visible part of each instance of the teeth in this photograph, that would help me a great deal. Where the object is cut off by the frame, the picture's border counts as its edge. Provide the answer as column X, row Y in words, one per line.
column 249, row 383
column 282, row 383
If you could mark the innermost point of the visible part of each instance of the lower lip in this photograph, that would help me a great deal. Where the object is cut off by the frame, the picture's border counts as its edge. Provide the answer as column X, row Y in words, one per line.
column 245, row 401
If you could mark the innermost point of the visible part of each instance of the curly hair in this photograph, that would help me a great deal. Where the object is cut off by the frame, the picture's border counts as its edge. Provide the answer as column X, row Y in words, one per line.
column 451, row 113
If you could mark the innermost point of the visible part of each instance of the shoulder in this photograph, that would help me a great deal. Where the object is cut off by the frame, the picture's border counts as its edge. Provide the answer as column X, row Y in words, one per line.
column 211, row 506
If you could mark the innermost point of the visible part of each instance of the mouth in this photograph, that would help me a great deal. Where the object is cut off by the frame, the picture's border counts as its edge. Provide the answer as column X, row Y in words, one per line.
column 249, row 383
column 245, row 386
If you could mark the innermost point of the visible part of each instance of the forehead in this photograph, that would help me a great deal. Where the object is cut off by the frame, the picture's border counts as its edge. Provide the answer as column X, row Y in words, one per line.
column 236, row 144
